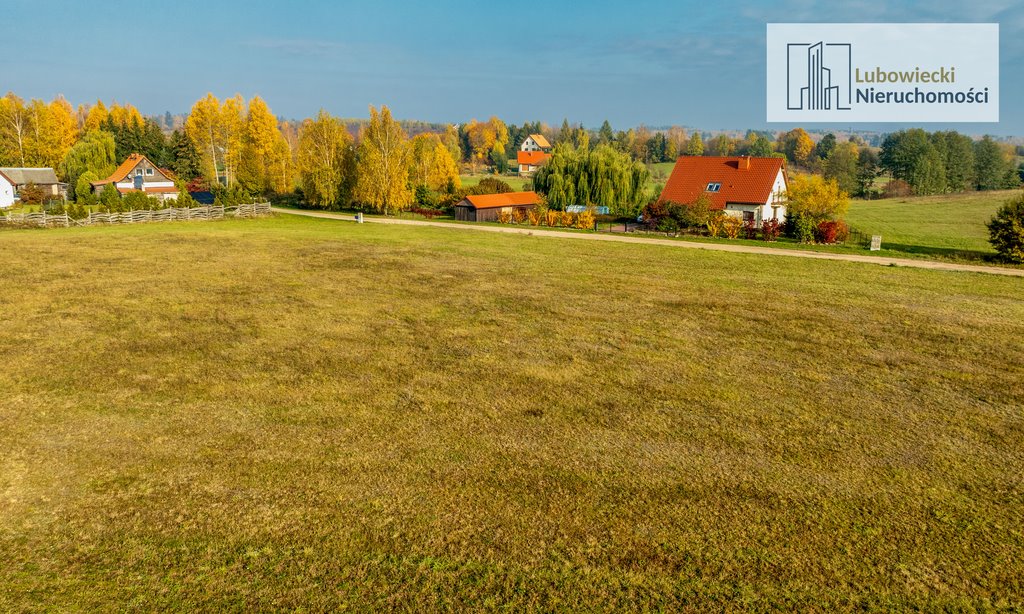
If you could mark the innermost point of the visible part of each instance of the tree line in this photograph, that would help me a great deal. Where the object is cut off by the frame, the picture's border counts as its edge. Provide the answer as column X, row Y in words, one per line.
column 239, row 145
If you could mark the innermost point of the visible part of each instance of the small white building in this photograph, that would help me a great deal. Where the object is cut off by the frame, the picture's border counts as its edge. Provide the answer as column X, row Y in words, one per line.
column 6, row 191
column 138, row 174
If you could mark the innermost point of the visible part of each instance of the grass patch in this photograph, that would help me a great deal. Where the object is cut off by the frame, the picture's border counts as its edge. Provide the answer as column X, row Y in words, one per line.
column 293, row 413
column 518, row 184
column 951, row 225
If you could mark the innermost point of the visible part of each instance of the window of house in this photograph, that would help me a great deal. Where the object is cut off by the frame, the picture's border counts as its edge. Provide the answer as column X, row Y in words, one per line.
column 714, row 186
column 149, row 171
column 138, row 172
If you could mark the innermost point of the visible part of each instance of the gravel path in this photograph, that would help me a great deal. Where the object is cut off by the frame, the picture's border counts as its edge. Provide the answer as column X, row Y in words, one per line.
column 715, row 247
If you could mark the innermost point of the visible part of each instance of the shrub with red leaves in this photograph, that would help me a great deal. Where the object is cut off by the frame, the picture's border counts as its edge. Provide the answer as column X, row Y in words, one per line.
column 427, row 213
column 750, row 229
column 770, row 230
column 826, row 232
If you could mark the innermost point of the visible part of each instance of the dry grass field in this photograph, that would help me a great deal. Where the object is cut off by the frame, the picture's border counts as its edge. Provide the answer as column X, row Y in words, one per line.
column 301, row 414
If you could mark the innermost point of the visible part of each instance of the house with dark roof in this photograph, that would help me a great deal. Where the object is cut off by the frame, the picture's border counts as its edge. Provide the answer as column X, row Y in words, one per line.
column 752, row 189
column 13, row 179
column 487, row 207
column 533, row 151
column 138, row 174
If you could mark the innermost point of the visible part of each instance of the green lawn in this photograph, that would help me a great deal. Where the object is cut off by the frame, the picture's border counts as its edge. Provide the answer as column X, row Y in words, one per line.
column 294, row 413
column 936, row 224
column 518, row 183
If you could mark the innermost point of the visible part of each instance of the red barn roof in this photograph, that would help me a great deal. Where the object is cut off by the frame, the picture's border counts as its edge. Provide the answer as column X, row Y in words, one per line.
column 533, row 158
column 508, row 199
column 742, row 179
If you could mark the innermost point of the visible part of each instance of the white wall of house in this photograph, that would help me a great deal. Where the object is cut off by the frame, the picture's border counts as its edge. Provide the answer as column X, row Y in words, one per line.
column 529, row 145
column 130, row 185
column 775, row 206
column 6, row 194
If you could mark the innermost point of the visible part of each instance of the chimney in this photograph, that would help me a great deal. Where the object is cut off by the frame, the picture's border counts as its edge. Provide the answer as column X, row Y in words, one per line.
column 743, row 163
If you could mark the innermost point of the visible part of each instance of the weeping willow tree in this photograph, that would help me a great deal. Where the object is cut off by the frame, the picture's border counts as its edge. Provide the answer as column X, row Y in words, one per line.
column 602, row 177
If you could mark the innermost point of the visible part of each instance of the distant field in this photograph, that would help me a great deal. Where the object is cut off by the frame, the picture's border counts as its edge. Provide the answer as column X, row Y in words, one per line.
column 954, row 222
column 295, row 414
column 517, row 183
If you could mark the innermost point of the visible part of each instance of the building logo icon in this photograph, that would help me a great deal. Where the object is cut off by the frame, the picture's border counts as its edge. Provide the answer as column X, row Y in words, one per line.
column 818, row 76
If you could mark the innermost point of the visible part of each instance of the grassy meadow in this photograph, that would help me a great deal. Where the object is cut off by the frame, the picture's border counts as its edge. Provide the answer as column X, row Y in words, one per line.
column 517, row 183
column 294, row 413
column 952, row 224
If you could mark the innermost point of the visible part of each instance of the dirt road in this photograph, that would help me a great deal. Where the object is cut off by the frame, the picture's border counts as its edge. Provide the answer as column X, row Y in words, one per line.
column 716, row 247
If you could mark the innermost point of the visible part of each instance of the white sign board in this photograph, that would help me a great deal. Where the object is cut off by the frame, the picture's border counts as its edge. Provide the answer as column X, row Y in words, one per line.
column 883, row 72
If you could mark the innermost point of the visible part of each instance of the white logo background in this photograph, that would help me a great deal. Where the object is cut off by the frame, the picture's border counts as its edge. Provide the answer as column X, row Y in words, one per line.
column 808, row 84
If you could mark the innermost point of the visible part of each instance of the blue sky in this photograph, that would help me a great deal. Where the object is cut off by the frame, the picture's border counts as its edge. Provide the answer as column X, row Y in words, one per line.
column 689, row 63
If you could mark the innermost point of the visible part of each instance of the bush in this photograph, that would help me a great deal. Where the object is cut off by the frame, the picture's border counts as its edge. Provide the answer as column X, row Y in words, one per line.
column 653, row 213
column 426, row 198
column 110, row 198
column 504, row 217
column 585, row 220
column 567, row 219
column 667, row 224
column 427, row 213
column 138, row 201
column 842, row 231
column 697, row 214
column 490, row 185
column 800, row 226
column 716, row 225
column 826, row 232
column 518, row 215
column 77, row 211
column 1006, row 230
column 534, row 216
column 670, row 216
column 750, row 230
column 731, row 226
column 551, row 217
column 31, row 194
column 897, row 188
column 770, row 230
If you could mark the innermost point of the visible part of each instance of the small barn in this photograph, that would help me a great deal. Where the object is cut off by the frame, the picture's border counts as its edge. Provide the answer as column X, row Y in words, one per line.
column 12, row 180
column 487, row 207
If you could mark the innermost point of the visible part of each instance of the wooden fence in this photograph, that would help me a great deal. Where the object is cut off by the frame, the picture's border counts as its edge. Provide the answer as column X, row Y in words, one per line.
column 49, row 220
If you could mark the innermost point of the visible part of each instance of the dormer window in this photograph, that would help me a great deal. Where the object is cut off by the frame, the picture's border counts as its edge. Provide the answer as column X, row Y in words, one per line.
column 714, row 186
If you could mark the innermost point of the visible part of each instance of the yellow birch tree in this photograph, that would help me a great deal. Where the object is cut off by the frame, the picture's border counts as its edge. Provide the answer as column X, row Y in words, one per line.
column 324, row 160
column 383, row 177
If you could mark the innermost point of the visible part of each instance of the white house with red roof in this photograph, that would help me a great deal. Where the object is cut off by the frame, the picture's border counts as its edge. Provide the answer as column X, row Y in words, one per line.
column 138, row 174
column 752, row 189
column 533, row 152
